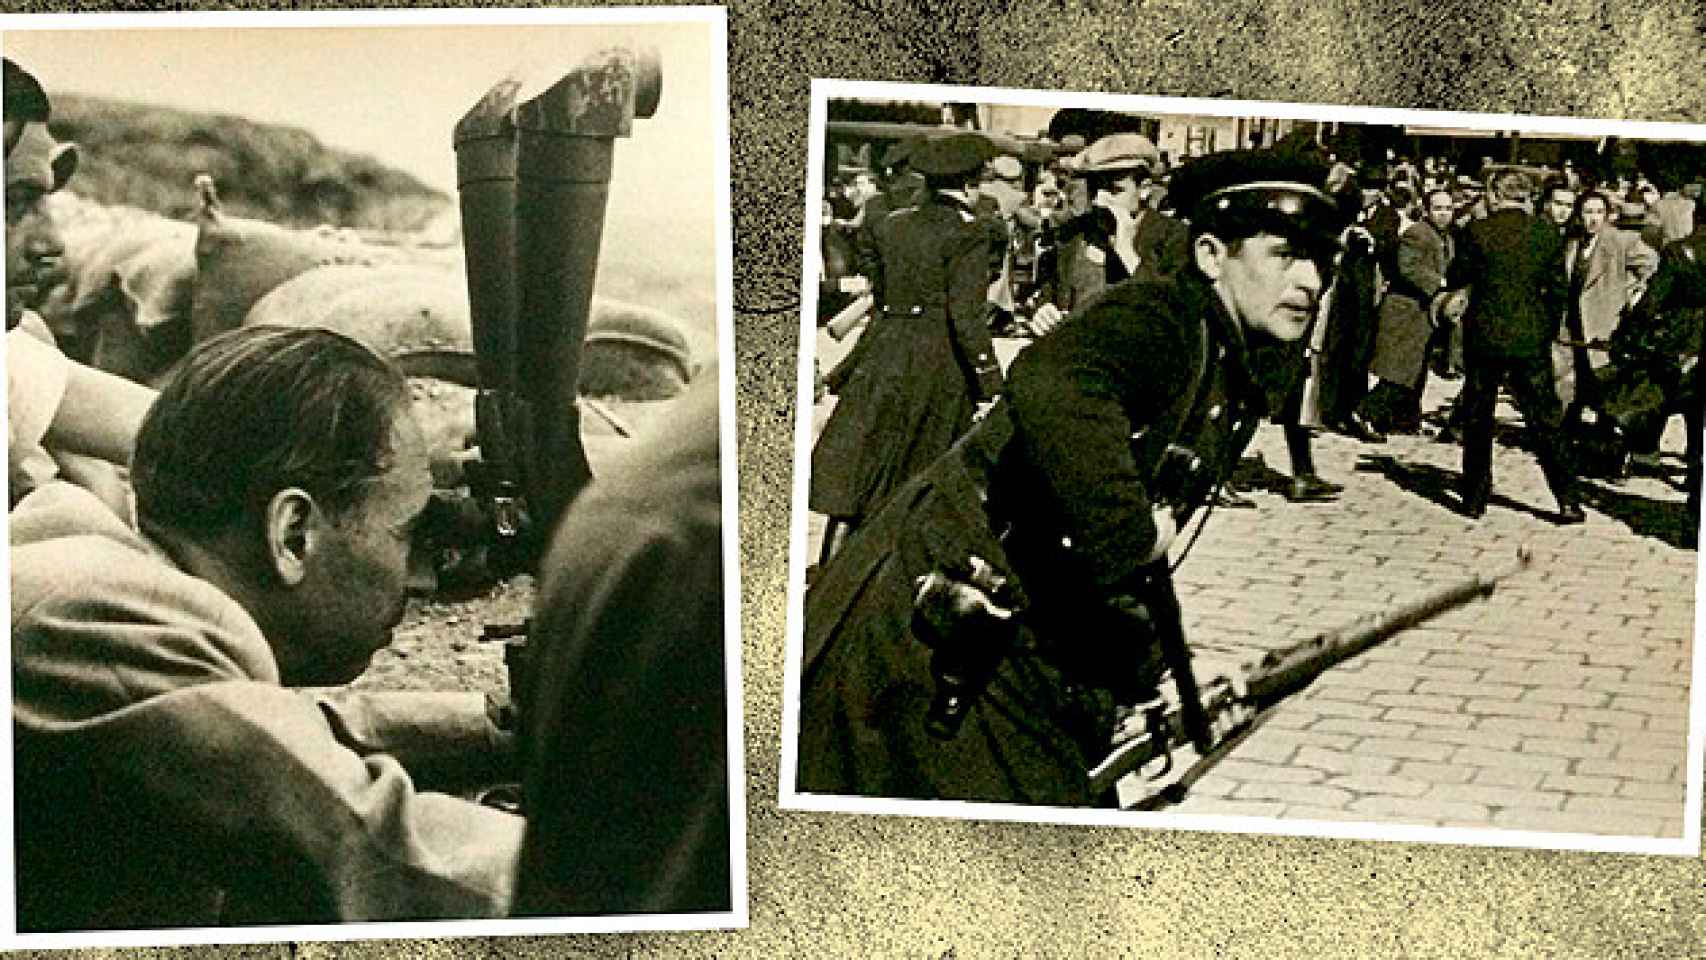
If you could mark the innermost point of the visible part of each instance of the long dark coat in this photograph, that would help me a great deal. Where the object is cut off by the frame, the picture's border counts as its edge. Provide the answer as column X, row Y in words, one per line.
column 925, row 361
column 1056, row 469
column 1401, row 345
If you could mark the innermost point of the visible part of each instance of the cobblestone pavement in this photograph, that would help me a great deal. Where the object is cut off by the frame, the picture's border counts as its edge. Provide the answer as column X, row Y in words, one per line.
column 1559, row 703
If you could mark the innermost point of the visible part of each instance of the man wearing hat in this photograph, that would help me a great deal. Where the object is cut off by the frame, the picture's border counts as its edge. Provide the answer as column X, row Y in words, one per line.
column 1120, row 236
column 1061, row 519
column 1513, row 263
column 926, row 361
column 85, row 417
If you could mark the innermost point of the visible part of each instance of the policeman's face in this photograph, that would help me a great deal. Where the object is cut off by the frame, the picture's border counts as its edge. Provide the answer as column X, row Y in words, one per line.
column 1270, row 284
column 366, row 561
column 34, row 250
column 1594, row 214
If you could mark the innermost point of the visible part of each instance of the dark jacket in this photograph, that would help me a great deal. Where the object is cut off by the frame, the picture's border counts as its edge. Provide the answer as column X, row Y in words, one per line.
column 1514, row 263
column 1052, row 491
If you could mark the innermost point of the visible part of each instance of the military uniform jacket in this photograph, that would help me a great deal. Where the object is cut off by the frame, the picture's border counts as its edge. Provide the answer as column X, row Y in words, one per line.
column 1051, row 480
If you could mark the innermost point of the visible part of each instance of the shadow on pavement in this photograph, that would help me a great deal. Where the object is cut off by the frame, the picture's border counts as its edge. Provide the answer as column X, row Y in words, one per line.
column 1253, row 474
column 1435, row 484
column 1664, row 520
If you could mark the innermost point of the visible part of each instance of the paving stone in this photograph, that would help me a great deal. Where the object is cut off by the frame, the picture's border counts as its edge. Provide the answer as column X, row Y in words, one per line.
column 1509, row 759
column 1342, row 762
column 1566, row 748
column 1402, row 809
column 1314, row 795
column 1518, row 778
column 1492, row 796
column 1405, row 749
column 1630, row 770
column 1364, row 784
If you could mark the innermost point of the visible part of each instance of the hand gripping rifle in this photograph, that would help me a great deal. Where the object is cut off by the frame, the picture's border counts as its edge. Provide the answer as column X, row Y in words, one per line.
column 533, row 175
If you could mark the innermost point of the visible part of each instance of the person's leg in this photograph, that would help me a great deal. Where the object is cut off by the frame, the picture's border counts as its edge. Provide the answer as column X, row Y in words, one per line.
column 1475, row 411
column 1535, row 396
column 1306, row 485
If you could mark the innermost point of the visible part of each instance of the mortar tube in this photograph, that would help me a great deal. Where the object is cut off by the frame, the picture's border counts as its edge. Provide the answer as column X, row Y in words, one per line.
column 561, row 199
column 566, row 147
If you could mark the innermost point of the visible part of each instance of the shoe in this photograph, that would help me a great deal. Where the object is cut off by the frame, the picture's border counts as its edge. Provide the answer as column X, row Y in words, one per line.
column 1569, row 514
column 1230, row 499
column 1308, row 488
column 1475, row 500
column 1645, row 465
column 1357, row 429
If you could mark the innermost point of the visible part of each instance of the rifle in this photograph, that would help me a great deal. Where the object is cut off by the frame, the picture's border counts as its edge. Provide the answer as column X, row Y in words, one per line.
column 1235, row 706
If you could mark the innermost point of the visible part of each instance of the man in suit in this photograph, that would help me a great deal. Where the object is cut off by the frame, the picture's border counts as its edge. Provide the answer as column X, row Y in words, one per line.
column 1120, row 237
column 1512, row 263
column 167, row 770
column 1596, row 265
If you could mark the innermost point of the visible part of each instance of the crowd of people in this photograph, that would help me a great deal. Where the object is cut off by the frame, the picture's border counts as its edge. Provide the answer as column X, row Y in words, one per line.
column 1398, row 312
column 1171, row 309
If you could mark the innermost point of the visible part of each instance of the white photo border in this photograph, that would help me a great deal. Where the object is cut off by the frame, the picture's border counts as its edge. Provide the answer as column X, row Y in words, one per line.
column 824, row 90
column 715, row 20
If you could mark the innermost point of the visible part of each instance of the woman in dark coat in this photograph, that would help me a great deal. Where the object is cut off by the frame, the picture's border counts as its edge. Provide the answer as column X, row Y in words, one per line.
column 928, row 360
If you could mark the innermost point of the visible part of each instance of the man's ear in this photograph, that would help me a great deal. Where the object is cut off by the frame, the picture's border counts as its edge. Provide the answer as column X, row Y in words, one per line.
column 292, row 532
column 1210, row 254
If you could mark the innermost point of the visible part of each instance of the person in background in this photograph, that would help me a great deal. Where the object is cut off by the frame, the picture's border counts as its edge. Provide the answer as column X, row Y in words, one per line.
column 63, row 417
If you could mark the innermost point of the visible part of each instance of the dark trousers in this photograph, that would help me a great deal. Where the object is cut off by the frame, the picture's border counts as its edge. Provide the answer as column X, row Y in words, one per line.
column 1530, row 381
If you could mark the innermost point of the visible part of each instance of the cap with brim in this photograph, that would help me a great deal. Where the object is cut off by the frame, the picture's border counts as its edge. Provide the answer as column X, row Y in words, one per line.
column 951, row 155
column 1278, row 192
column 40, row 159
column 1120, row 152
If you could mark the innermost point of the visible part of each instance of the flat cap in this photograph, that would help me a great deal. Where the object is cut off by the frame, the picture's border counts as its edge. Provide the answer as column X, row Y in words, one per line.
column 955, row 153
column 1120, row 151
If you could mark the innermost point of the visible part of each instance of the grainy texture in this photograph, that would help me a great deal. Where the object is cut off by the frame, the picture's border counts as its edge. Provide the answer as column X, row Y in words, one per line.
column 827, row 885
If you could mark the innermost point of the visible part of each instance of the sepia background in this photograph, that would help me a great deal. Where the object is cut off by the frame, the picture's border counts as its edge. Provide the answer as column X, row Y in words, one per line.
column 834, row 885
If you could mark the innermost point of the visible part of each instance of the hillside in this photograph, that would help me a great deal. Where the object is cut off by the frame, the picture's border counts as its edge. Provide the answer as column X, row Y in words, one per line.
column 147, row 157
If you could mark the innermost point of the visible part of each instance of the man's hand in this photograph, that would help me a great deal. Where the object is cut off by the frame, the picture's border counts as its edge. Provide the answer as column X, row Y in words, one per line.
column 1166, row 530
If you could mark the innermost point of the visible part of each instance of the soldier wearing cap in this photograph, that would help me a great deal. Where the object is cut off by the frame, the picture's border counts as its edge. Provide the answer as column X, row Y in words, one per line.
column 926, row 361
column 63, row 417
column 1054, row 494
column 1120, row 236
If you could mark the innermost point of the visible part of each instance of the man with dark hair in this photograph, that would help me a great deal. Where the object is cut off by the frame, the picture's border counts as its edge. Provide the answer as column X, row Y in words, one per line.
column 167, row 773
column 1513, row 263
column 62, row 416
column 1052, row 494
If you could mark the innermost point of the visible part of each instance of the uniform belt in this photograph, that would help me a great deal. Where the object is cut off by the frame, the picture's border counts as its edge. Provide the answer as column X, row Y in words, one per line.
column 914, row 310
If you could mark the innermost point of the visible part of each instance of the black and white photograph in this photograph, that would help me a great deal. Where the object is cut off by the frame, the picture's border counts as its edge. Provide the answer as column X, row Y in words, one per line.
column 372, row 534
column 1251, row 467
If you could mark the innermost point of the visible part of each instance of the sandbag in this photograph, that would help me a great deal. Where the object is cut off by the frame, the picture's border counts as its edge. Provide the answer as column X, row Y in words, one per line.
column 239, row 261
